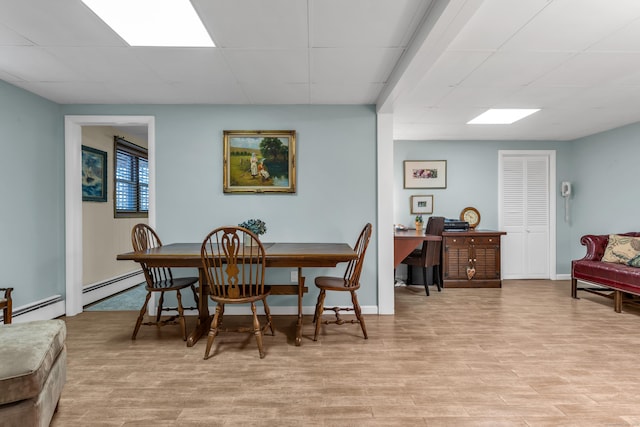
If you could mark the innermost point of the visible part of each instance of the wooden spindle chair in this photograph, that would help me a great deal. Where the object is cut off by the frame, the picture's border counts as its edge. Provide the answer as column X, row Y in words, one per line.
column 160, row 280
column 233, row 259
column 350, row 282
column 6, row 305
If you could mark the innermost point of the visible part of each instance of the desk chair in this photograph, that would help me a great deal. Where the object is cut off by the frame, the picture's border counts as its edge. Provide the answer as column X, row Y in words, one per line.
column 6, row 305
column 428, row 256
column 160, row 280
column 233, row 260
column 350, row 282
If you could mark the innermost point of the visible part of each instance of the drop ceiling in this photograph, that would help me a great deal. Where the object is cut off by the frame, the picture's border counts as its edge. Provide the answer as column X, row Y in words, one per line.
column 433, row 64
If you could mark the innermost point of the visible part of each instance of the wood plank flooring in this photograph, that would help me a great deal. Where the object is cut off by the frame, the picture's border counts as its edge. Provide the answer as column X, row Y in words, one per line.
column 523, row 355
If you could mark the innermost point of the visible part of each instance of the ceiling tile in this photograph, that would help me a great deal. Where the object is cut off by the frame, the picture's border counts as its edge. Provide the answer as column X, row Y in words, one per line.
column 259, row 93
column 480, row 97
column 368, row 65
column 57, row 23
column 624, row 40
column 186, row 64
column 346, row 93
column 97, row 64
column 8, row 37
column 255, row 23
column 269, row 65
column 209, row 92
column 35, row 64
column 72, row 92
column 573, row 25
column 495, row 22
column 514, row 68
column 380, row 23
column 453, row 67
column 591, row 68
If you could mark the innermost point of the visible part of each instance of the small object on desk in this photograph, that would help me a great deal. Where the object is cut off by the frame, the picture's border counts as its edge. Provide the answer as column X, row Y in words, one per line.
column 455, row 225
column 400, row 227
column 471, row 215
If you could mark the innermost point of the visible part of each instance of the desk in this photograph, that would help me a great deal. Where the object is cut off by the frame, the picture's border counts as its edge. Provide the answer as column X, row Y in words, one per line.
column 404, row 242
column 277, row 255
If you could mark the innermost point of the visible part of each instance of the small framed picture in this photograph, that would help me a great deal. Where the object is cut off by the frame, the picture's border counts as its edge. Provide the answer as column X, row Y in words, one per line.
column 425, row 174
column 422, row 204
column 94, row 175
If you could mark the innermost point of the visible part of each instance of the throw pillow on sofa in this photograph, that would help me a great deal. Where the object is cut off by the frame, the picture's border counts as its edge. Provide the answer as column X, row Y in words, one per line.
column 622, row 250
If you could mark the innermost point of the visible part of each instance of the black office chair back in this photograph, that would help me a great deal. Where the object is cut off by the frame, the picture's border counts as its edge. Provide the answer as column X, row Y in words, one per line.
column 431, row 249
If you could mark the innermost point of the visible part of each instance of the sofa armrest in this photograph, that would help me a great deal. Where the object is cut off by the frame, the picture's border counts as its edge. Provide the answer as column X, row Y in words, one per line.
column 596, row 244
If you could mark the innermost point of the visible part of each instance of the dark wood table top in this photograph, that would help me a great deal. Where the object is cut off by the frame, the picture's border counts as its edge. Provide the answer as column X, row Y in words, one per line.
column 277, row 255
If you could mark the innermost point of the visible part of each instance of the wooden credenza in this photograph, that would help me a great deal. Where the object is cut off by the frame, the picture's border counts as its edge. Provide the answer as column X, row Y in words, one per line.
column 464, row 251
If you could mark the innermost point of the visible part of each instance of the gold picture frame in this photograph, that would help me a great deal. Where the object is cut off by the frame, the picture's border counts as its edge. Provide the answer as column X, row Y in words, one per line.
column 259, row 161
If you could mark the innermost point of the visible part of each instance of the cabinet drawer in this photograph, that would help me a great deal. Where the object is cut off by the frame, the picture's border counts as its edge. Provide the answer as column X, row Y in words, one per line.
column 484, row 240
column 475, row 240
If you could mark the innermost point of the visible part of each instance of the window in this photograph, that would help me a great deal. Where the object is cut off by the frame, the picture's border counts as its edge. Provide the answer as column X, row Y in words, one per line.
column 131, row 179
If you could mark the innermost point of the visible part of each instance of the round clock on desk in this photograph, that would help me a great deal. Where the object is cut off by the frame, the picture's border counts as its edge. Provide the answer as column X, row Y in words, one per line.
column 471, row 215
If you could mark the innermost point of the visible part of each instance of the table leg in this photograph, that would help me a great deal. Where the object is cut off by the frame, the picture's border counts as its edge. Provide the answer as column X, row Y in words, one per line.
column 204, row 321
column 300, row 294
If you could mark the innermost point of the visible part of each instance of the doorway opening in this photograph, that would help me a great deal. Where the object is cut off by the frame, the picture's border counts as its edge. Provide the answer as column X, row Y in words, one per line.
column 73, row 195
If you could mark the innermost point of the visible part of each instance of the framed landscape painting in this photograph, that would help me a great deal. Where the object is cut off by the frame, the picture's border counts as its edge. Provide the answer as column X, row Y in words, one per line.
column 259, row 161
column 94, row 175
column 425, row 174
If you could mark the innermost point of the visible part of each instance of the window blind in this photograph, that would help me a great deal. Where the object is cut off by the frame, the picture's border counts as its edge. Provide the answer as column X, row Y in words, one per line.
column 131, row 179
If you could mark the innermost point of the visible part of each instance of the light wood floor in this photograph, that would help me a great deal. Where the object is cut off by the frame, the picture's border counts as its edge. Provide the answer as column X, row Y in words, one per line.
column 523, row 355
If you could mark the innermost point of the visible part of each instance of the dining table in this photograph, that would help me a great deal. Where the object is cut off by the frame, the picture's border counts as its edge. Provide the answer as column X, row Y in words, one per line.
column 287, row 255
column 405, row 241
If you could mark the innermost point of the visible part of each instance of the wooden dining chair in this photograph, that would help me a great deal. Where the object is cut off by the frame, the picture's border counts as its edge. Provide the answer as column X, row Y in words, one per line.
column 6, row 305
column 160, row 280
column 428, row 256
column 233, row 260
column 349, row 282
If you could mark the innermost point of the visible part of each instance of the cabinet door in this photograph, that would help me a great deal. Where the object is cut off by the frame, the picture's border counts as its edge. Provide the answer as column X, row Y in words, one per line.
column 486, row 262
column 456, row 259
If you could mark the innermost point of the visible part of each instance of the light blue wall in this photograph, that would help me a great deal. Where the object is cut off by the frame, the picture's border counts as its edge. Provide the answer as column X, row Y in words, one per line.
column 336, row 181
column 606, row 198
column 336, row 177
column 472, row 180
column 32, row 196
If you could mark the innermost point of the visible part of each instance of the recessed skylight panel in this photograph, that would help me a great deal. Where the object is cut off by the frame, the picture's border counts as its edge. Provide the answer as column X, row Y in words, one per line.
column 502, row 116
column 169, row 23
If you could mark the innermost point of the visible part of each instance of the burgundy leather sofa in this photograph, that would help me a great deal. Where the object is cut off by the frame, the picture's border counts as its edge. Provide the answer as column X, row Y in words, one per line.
column 615, row 278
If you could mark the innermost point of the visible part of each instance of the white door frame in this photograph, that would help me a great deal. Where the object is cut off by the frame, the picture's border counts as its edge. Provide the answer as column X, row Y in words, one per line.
column 551, row 155
column 73, row 194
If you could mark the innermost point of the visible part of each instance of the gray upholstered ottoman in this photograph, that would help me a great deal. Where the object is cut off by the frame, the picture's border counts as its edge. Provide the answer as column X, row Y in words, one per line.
column 33, row 370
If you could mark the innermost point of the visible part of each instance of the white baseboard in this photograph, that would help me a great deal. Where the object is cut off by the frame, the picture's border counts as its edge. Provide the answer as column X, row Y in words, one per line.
column 563, row 277
column 106, row 288
column 46, row 309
